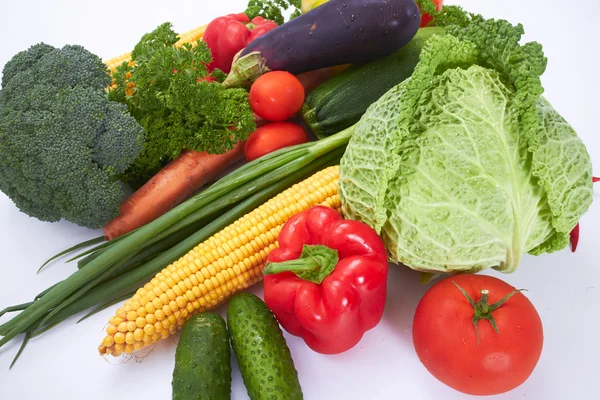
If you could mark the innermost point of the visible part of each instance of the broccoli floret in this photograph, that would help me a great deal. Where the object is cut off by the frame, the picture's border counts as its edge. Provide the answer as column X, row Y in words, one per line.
column 23, row 60
column 63, row 143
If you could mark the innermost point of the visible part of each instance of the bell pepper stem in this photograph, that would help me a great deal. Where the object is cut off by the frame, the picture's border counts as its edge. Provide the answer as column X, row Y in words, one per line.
column 295, row 266
column 314, row 264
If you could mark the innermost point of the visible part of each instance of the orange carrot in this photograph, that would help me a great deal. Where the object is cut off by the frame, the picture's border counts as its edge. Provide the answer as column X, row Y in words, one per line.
column 172, row 185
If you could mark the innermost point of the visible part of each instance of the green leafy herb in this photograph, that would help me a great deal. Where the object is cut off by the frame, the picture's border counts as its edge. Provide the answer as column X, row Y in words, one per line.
column 273, row 9
column 166, row 91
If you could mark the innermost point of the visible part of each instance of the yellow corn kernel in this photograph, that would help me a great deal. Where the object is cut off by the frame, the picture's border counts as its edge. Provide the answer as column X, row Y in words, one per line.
column 138, row 334
column 119, row 337
column 228, row 262
column 129, row 338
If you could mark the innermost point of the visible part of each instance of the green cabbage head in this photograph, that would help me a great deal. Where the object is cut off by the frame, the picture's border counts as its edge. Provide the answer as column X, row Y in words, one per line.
column 465, row 165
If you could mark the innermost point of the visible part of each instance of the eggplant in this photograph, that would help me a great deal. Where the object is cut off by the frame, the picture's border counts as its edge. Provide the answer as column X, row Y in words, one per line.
column 335, row 33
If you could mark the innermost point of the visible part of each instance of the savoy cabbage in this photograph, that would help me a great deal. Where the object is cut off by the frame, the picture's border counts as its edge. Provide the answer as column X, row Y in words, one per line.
column 465, row 165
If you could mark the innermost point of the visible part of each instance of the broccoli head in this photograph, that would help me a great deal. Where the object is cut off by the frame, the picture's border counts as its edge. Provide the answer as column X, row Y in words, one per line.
column 63, row 143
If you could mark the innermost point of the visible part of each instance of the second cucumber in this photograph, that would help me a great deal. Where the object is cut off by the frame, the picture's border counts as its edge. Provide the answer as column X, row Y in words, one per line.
column 262, row 354
column 202, row 360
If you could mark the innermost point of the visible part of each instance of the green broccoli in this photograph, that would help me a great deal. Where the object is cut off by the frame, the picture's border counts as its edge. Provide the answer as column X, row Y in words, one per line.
column 63, row 143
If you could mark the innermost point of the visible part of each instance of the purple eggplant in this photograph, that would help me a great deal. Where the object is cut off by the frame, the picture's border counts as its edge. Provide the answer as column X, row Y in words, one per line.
column 335, row 33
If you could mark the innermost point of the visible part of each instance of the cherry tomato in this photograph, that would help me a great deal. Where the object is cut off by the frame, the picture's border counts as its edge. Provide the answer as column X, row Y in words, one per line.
column 276, row 95
column 273, row 136
column 482, row 361
column 426, row 18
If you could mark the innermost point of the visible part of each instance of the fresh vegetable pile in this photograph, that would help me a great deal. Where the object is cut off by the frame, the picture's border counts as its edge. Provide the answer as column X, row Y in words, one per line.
column 436, row 152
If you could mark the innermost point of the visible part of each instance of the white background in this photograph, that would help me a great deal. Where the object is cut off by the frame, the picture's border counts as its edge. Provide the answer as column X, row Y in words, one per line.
column 565, row 287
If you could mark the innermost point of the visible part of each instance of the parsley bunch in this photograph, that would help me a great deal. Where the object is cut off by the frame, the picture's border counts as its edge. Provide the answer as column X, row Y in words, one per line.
column 166, row 89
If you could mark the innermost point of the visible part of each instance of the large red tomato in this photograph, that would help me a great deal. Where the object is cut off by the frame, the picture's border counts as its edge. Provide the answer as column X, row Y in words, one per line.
column 455, row 338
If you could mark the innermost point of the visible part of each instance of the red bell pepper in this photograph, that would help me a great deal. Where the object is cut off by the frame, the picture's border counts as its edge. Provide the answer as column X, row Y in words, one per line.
column 227, row 35
column 327, row 280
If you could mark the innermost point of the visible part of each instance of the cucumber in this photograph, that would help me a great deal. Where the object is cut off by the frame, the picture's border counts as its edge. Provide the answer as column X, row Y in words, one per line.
column 262, row 354
column 203, row 360
column 340, row 102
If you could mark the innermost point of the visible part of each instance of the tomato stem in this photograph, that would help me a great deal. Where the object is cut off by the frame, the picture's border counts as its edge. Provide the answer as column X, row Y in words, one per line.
column 483, row 310
column 484, row 307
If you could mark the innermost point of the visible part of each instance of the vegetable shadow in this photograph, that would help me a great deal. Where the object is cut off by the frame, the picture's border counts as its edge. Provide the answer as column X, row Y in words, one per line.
column 404, row 291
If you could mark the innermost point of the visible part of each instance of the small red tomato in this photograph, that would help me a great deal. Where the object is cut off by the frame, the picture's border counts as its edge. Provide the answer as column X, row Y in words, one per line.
column 273, row 136
column 477, row 334
column 426, row 18
column 276, row 95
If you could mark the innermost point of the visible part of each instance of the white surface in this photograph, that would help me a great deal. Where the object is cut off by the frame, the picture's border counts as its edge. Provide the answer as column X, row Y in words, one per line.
column 565, row 287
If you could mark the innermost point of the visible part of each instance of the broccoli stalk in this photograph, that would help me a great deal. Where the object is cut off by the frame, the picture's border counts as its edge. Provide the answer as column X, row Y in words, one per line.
column 63, row 143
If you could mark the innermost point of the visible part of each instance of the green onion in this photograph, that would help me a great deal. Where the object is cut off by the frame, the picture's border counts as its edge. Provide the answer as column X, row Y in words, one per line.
column 72, row 249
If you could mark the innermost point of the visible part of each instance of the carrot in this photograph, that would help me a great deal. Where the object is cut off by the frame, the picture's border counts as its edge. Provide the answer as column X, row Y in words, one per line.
column 172, row 185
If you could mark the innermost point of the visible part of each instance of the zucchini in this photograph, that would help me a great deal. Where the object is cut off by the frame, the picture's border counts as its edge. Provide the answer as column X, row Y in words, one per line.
column 262, row 354
column 335, row 33
column 339, row 102
column 203, row 360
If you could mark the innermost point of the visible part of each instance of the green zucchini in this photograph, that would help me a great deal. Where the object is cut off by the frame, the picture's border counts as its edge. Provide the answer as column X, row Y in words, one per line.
column 203, row 360
column 340, row 102
column 261, row 351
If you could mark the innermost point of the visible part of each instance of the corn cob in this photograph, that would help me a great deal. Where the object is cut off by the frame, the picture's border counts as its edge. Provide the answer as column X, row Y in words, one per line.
column 187, row 37
column 229, row 261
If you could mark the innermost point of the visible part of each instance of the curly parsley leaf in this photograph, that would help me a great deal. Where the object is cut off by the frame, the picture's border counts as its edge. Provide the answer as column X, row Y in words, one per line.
column 273, row 9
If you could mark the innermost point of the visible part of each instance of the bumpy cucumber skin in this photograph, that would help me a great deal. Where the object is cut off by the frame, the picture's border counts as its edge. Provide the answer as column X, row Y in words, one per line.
column 339, row 102
column 203, row 360
column 262, row 354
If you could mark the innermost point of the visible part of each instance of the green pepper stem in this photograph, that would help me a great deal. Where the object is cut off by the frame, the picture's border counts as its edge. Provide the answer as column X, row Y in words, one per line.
column 295, row 266
column 314, row 264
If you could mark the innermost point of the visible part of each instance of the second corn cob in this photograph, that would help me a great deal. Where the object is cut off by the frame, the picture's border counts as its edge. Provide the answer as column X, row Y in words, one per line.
column 214, row 270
